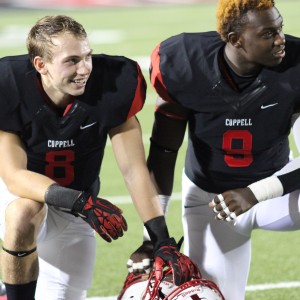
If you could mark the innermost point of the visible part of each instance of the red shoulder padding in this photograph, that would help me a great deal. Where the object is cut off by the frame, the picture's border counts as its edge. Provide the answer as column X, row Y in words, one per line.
column 156, row 77
column 140, row 94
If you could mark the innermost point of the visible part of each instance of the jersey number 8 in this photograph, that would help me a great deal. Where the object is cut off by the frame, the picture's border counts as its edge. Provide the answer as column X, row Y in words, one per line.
column 60, row 167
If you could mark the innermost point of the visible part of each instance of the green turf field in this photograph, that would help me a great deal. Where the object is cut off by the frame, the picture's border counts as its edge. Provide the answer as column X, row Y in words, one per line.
column 134, row 32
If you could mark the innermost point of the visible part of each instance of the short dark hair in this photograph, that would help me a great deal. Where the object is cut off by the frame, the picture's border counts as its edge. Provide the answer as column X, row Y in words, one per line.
column 39, row 39
column 232, row 14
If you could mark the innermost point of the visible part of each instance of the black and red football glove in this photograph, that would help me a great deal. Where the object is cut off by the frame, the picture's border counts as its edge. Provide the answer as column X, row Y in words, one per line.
column 167, row 254
column 103, row 216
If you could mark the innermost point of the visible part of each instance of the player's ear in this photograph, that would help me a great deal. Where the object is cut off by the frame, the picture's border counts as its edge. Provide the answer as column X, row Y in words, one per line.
column 234, row 40
column 40, row 65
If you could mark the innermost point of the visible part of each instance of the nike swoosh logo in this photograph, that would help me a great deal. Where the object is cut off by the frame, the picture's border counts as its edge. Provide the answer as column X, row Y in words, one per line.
column 267, row 106
column 21, row 254
column 87, row 126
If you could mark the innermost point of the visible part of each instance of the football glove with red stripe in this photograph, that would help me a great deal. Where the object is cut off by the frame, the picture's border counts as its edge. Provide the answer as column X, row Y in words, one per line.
column 103, row 216
column 167, row 254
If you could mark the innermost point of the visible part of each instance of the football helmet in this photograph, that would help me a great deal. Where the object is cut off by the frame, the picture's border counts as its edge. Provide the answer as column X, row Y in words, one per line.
column 147, row 287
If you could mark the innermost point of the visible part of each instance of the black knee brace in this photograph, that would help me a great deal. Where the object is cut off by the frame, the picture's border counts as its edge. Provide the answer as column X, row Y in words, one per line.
column 19, row 253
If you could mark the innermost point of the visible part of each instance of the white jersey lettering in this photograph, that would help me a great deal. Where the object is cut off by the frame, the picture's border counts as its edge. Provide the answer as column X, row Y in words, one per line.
column 238, row 122
column 60, row 144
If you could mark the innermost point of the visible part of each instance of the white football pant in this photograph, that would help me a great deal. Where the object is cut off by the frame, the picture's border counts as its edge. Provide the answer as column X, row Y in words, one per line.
column 222, row 250
column 66, row 247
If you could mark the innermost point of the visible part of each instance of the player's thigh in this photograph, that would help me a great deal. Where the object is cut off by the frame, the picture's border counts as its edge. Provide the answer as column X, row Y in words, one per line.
column 278, row 214
column 202, row 231
column 9, row 202
column 6, row 199
column 67, row 254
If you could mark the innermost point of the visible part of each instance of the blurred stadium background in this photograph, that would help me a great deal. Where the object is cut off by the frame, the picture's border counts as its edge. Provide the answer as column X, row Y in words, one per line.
column 85, row 3
column 133, row 28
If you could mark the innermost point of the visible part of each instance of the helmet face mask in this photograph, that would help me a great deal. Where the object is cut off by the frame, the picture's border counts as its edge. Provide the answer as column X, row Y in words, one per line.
column 146, row 287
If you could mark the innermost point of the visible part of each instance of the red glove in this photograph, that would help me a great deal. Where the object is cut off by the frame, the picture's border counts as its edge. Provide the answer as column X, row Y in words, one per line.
column 167, row 254
column 103, row 216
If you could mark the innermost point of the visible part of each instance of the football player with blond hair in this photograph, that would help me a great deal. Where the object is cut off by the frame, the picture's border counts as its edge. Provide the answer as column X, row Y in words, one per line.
column 58, row 105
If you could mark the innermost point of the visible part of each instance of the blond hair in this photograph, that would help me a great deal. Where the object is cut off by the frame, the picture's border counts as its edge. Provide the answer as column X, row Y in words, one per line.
column 231, row 14
column 39, row 39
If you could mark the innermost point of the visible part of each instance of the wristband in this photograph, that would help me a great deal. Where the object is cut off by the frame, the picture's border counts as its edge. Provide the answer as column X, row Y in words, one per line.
column 146, row 237
column 157, row 229
column 267, row 188
column 60, row 196
column 164, row 201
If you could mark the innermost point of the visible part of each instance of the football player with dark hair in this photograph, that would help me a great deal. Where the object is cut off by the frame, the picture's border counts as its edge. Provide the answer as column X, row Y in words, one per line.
column 58, row 104
column 237, row 90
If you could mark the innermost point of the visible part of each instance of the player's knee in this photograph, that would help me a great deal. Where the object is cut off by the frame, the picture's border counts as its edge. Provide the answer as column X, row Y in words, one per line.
column 23, row 217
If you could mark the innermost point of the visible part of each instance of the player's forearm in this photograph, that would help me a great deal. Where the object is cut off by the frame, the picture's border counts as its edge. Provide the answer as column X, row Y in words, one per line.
column 286, row 181
column 13, row 169
column 290, row 181
column 27, row 184
column 161, row 165
column 166, row 140
column 143, row 194
column 266, row 188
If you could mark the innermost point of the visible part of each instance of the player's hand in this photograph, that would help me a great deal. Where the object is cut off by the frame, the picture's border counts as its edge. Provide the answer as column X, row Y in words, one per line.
column 167, row 254
column 103, row 216
column 233, row 203
column 141, row 260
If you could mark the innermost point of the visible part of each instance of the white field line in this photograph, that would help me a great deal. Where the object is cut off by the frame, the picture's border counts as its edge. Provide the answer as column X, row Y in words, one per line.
column 15, row 36
column 272, row 286
column 146, row 138
column 250, row 288
column 127, row 199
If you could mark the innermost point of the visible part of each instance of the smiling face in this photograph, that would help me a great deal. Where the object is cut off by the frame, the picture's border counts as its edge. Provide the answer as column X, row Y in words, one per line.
column 67, row 72
column 260, row 42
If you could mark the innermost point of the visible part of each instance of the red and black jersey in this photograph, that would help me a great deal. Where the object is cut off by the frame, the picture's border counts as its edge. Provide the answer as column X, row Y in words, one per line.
column 235, row 136
column 69, row 147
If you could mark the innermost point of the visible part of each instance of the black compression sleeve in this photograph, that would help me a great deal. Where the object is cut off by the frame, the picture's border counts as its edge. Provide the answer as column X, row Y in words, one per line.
column 153, row 144
column 60, row 196
column 157, row 229
column 290, row 181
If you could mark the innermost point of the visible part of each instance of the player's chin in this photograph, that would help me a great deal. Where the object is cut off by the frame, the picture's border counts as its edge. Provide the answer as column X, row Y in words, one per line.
column 275, row 61
column 76, row 92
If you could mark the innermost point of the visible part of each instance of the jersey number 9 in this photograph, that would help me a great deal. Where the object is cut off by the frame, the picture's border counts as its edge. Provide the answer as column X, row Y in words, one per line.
column 241, row 155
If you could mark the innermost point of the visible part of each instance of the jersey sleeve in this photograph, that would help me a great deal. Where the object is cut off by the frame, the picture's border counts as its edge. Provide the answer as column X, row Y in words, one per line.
column 9, row 99
column 9, row 120
column 139, row 95
column 156, row 76
column 160, row 87
column 117, row 89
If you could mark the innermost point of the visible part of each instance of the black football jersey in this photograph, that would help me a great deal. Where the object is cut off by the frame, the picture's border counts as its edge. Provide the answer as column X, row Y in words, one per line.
column 69, row 147
column 234, row 137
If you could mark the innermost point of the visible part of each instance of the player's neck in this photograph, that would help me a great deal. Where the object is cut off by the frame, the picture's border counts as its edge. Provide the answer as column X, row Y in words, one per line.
column 55, row 97
column 238, row 64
